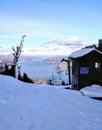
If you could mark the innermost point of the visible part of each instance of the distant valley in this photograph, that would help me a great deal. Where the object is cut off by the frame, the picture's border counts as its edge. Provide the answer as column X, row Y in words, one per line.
column 47, row 59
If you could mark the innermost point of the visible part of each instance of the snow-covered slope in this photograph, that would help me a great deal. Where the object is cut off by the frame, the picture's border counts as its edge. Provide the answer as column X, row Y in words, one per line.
column 25, row 106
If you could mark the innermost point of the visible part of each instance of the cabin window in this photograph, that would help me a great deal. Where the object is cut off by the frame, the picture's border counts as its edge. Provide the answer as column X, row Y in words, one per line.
column 97, row 65
column 84, row 70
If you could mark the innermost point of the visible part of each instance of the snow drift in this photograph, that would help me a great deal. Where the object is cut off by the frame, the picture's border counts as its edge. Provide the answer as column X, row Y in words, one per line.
column 25, row 106
column 94, row 91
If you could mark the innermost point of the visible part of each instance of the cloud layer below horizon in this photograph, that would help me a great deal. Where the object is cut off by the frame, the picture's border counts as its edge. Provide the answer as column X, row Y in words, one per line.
column 53, row 47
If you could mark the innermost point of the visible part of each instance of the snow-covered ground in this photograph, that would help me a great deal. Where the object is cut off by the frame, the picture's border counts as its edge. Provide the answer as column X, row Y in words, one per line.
column 92, row 91
column 25, row 106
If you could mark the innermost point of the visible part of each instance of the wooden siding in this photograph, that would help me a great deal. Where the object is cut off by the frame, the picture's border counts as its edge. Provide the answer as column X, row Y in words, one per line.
column 87, row 63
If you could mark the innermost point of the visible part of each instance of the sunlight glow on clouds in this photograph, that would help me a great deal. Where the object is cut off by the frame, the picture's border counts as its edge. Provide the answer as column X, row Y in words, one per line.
column 58, row 47
column 54, row 47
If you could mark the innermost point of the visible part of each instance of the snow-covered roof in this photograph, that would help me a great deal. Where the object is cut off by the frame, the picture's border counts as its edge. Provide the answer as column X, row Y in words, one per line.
column 82, row 52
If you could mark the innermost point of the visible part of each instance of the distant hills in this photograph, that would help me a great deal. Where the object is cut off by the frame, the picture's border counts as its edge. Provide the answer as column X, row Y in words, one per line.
column 47, row 59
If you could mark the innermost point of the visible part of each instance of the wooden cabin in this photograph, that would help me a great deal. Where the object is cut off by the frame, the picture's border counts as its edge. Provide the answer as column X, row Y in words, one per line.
column 86, row 67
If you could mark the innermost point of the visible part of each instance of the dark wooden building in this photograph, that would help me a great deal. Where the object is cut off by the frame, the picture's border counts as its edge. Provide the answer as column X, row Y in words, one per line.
column 86, row 67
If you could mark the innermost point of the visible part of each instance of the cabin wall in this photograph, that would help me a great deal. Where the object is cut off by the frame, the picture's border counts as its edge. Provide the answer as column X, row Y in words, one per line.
column 88, row 70
column 75, row 67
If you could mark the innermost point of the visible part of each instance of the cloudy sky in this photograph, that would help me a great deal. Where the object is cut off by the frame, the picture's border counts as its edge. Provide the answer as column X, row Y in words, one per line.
column 50, row 26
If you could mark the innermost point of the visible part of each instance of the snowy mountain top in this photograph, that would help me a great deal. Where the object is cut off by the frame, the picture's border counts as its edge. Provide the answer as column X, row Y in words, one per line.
column 25, row 106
